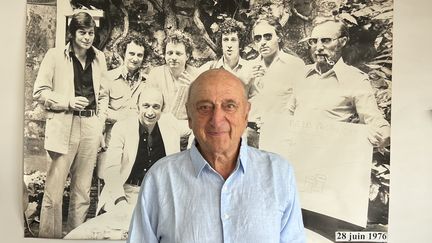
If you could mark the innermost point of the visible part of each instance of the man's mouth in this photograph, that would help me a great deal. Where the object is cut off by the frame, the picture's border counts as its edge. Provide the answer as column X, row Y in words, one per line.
column 264, row 49
column 150, row 118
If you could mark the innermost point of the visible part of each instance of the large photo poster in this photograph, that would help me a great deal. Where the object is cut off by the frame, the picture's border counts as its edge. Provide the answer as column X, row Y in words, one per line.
column 318, row 75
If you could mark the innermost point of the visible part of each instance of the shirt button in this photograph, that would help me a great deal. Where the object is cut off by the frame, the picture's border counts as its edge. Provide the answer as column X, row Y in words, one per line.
column 145, row 139
column 224, row 189
column 145, row 169
column 226, row 216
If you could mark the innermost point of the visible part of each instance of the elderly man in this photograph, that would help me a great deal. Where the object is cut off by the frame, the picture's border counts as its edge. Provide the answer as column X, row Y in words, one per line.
column 333, row 90
column 273, row 74
column 220, row 190
column 127, row 81
column 70, row 85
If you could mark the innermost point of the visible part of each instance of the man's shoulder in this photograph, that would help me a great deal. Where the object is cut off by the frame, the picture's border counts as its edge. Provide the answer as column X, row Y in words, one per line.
column 266, row 158
column 350, row 73
column 291, row 59
column 113, row 74
column 157, row 70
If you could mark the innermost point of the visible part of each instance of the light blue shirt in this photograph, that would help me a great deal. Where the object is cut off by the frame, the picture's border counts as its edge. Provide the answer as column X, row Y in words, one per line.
column 184, row 200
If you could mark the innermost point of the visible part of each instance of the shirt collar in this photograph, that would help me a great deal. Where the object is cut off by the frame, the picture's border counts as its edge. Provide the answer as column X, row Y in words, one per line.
column 339, row 69
column 221, row 64
column 143, row 130
column 199, row 162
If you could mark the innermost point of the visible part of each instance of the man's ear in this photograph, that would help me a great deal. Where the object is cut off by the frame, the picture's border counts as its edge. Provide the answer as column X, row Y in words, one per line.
column 343, row 40
column 188, row 116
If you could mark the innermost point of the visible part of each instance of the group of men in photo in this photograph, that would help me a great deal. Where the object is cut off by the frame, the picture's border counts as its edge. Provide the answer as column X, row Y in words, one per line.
column 123, row 120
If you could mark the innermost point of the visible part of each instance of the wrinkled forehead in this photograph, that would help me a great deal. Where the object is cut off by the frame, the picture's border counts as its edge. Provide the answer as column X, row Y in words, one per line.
column 217, row 86
column 327, row 29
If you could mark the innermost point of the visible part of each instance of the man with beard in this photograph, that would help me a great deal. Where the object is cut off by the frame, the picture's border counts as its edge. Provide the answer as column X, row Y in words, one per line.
column 333, row 90
column 71, row 85
column 274, row 73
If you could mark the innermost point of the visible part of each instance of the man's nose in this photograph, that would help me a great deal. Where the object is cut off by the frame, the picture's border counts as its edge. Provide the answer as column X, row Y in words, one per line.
column 218, row 115
column 319, row 45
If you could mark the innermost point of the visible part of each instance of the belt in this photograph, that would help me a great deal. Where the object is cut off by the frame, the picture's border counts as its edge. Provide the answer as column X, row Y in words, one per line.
column 85, row 113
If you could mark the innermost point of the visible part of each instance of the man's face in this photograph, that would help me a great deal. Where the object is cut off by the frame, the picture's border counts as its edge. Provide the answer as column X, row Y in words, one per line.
column 218, row 112
column 134, row 56
column 328, row 43
column 84, row 38
column 230, row 46
column 175, row 55
column 265, row 39
column 150, row 107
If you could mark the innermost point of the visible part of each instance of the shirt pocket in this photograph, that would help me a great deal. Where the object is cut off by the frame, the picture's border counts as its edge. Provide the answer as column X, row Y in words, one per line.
column 119, row 95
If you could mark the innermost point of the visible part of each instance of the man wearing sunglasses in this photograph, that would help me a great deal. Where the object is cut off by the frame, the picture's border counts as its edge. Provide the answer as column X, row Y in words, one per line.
column 334, row 90
column 273, row 74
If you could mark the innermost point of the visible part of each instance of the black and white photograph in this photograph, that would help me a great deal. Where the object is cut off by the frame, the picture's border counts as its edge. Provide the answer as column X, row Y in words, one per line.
column 107, row 82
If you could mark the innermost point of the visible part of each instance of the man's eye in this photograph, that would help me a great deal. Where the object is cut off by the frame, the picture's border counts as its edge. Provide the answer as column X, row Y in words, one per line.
column 225, row 39
column 326, row 40
column 204, row 108
column 230, row 107
column 140, row 55
column 179, row 53
column 146, row 105
column 170, row 53
column 156, row 107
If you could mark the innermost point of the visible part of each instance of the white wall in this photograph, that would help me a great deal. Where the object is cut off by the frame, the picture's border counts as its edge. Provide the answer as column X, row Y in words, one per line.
column 411, row 162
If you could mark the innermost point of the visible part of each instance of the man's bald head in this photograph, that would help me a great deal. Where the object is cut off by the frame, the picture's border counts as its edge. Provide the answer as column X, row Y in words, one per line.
column 217, row 109
column 215, row 75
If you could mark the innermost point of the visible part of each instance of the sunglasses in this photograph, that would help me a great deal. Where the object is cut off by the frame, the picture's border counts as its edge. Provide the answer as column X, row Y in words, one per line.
column 325, row 41
column 267, row 37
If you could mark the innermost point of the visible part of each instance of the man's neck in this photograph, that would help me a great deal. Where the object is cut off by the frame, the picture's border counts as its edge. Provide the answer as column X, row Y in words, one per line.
column 80, row 53
column 231, row 62
column 323, row 68
column 147, row 127
column 268, row 60
column 223, row 163
column 132, row 72
column 177, row 71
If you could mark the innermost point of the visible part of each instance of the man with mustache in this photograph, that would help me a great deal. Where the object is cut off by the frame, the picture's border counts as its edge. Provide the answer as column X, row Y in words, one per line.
column 333, row 90
column 127, row 82
column 273, row 74
column 220, row 190
column 136, row 144
column 71, row 85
